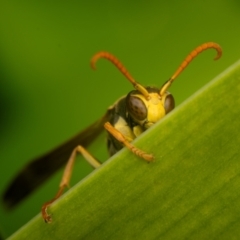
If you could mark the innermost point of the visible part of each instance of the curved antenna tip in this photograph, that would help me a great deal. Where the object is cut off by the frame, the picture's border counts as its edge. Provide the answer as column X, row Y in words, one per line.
column 189, row 58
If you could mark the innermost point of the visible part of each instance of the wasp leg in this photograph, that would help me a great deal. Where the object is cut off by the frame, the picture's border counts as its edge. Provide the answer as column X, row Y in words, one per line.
column 67, row 176
column 120, row 137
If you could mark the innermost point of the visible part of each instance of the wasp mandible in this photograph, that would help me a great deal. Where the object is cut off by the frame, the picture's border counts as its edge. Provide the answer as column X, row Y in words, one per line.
column 124, row 121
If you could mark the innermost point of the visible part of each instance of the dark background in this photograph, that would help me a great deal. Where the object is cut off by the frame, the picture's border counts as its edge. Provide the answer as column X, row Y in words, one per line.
column 48, row 91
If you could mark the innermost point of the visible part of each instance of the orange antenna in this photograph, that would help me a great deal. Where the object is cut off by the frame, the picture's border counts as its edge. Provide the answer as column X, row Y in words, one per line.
column 121, row 68
column 188, row 59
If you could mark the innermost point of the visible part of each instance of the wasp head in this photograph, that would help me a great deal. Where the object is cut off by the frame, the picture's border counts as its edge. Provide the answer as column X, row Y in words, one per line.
column 147, row 111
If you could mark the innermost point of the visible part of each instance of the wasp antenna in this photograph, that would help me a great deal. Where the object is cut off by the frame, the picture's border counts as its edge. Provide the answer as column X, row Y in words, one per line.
column 113, row 60
column 196, row 52
column 189, row 58
column 121, row 68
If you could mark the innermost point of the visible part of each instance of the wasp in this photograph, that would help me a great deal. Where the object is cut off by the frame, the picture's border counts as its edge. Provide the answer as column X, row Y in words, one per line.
column 124, row 121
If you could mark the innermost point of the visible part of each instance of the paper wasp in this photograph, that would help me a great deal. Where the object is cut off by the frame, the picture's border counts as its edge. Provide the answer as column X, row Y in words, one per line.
column 124, row 121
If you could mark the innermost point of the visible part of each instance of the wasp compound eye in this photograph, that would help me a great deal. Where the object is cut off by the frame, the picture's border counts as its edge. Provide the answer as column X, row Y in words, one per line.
column 169, row 103
column 136, row 108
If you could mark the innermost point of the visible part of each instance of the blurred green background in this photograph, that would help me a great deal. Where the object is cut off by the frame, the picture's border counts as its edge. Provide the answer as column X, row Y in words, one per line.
column 48, row 91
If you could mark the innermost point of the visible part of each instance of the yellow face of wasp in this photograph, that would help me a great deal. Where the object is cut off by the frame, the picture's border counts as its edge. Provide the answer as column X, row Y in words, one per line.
column 146, row 112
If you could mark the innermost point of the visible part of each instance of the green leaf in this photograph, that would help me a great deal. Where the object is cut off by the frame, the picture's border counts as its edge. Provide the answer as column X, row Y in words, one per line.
column 191, row 190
